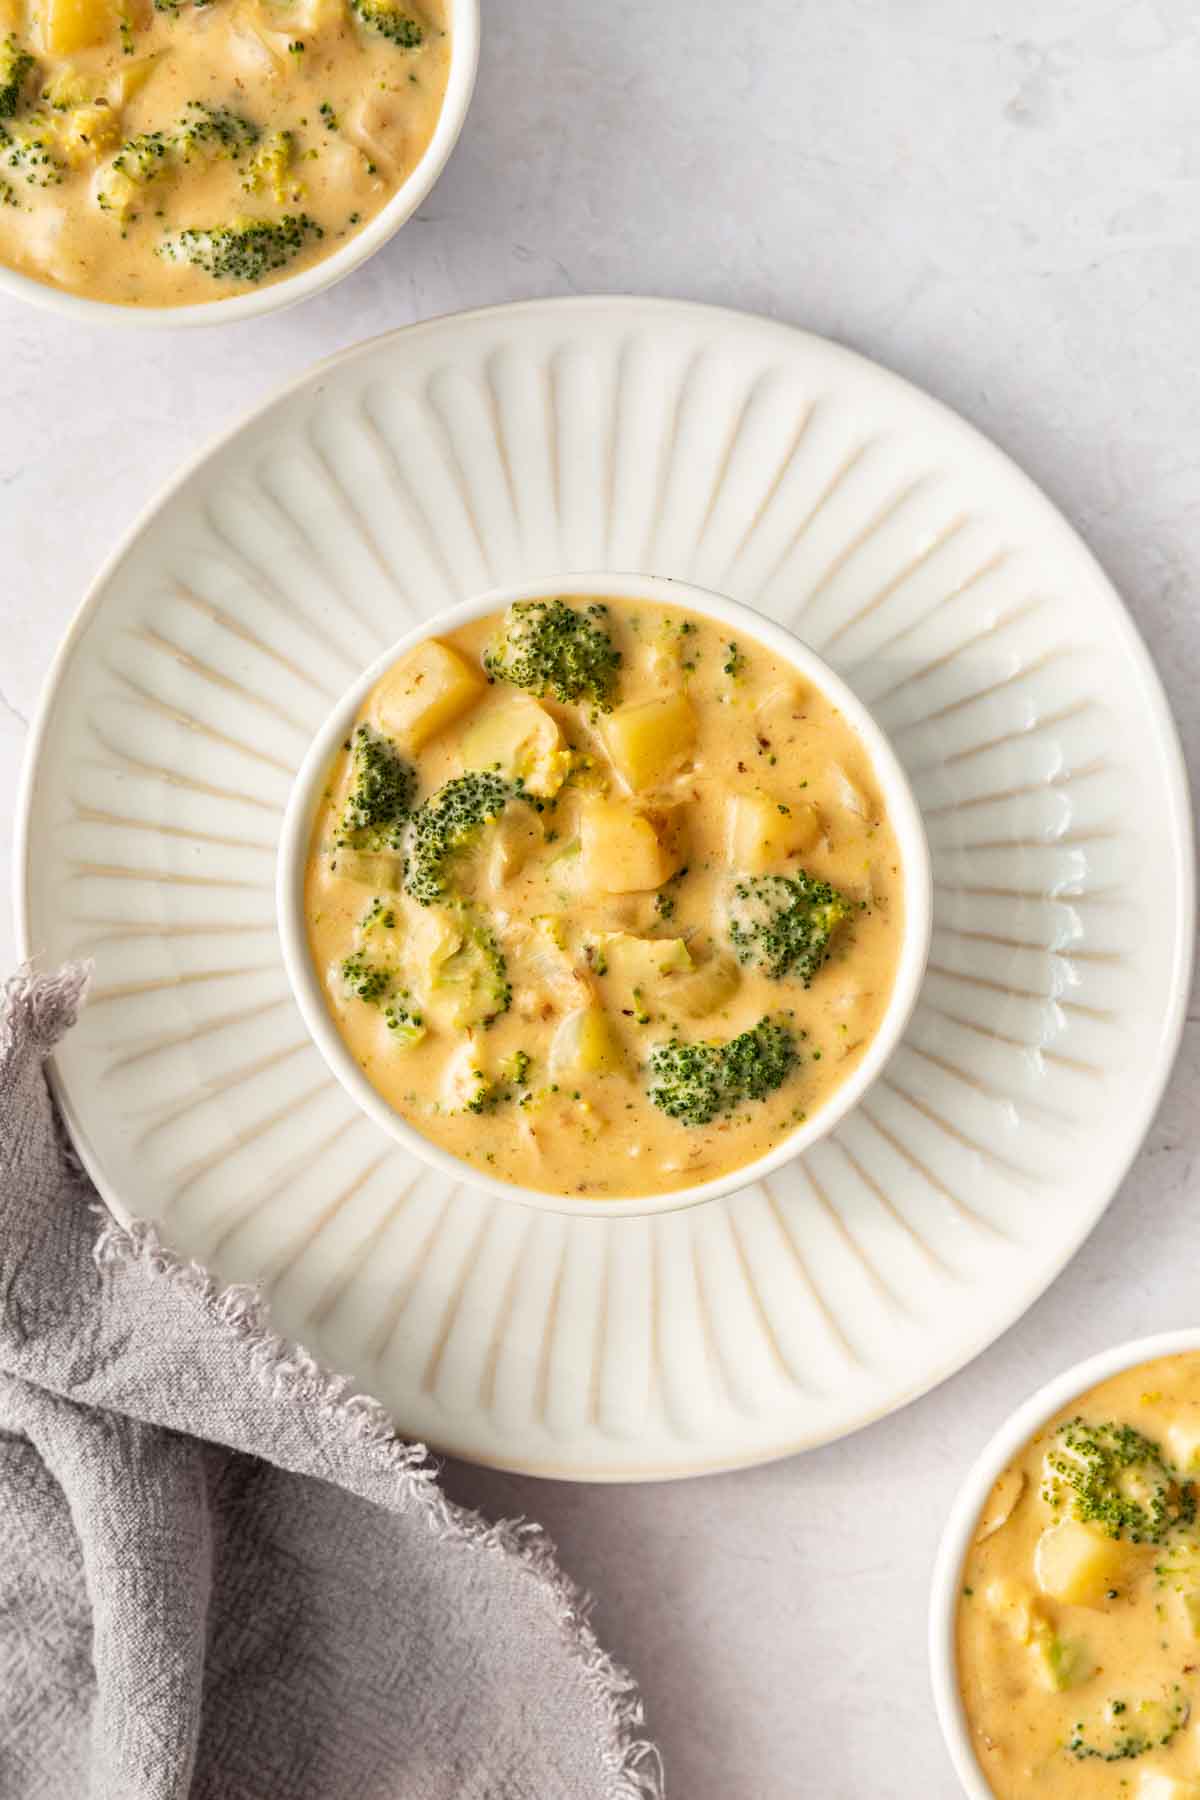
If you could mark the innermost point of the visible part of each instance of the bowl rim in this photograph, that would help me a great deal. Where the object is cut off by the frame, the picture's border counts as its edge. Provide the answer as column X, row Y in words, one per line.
column 900, row 802
column 290, row 290
column 1000, row 1448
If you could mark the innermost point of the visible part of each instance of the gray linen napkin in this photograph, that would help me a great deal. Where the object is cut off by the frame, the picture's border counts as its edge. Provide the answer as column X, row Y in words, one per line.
column 221, row 1575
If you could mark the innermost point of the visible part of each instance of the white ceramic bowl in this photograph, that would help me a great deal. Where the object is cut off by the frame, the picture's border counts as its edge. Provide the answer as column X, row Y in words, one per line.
column 964, row 1514
column 460, row 85
column 893, row 784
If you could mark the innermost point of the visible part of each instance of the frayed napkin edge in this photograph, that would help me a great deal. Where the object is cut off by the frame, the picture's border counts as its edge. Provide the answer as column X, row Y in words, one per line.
column 634, row 1764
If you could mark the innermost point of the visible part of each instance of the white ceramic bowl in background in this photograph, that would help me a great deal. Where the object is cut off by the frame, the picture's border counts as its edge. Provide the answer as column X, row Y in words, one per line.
column 964, row 1516
column 460, row 85
column 894, row 789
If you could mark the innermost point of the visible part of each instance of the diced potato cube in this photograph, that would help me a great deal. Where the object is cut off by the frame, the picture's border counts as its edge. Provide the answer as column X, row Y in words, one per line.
column 88, row 133
column 651, row 740
column 383, row 873
column 1191, row 1610
column 763, row 832
column 426, row 691
column 585, row 1044
column 1062, row 1662
column 643, row 959
column 705, row 988
column 1076, row 1564
column 624, row 850
column 514, row 838
column 520, row 740
column 546, row 966
column 70, row 25
column 1183, row 1444
column 1155, row 1784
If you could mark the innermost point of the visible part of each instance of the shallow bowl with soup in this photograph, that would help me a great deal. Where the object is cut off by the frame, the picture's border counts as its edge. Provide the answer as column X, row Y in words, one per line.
column 1064, row 1627
column 750, row 693
column 167, row 171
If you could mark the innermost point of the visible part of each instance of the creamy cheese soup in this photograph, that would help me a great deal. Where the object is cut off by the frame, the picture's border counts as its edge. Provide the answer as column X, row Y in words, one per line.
column 603, row 902
column 1079, row 1617
column 165, row 152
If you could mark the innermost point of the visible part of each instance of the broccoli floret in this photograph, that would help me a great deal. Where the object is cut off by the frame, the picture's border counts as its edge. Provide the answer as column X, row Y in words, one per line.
column 379, row 917
column 145, row 157
column 475, row 975
column 515, row 1068
column 29, row 150
column 16, row 66
column 1125, row 1729
column 393, row 22
column 547, row 647
column 1114, row 1478
column 269, row 169
column 203, row 131
column 382, row 786
column 697, row 1082
column 365, row 980
column 784, row 924
column 449, row 823
column 246, row 250
column 213, row 131
column 480, row 1094
column 484, row 1093
column 406, row 1025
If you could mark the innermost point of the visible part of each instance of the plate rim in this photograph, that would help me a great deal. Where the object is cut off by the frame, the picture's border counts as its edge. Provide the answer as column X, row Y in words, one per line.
column 1139, row 661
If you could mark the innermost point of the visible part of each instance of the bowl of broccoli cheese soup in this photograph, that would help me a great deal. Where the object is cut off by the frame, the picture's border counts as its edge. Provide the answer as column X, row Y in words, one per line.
column 1065, row 1625
column 604, row 894
column 198, row 161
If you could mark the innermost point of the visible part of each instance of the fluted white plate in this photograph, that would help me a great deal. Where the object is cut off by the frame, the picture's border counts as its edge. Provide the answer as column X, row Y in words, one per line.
column 675, row 440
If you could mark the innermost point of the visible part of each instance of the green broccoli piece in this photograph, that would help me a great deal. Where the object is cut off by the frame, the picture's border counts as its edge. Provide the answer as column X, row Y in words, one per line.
column 382, row 788
column 203, row 131
column 245, row 250
column 483, row 1095
column 698, row 1082
column 16, row 66
column 1113, row 1477
column 406, row 1025
column 365, row 980
column 449, row 824
column 488, row 1092
column 396, row 23
column 145, row 157
column 515, row 1068
column 213, row 131
column 1127, row 1729
column 379, row 917
column 474, row 977
column 269, row 169
column 29, row 151
column 784, row 924
column 547, row 647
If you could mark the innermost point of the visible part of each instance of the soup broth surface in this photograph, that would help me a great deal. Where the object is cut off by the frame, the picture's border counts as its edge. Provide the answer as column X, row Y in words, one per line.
column 608, row 889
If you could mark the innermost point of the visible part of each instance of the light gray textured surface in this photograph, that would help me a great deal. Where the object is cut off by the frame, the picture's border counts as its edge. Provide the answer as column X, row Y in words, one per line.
column 1011, row 217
